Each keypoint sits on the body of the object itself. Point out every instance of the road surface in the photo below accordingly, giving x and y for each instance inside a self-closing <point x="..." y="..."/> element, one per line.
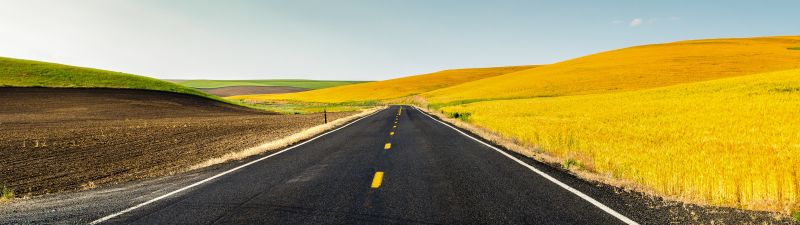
<point x="393" y="167"/>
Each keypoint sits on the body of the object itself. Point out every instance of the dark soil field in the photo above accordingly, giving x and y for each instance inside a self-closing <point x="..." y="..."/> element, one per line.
<point x="250" y="90"/>
<point x="54" y="140"/>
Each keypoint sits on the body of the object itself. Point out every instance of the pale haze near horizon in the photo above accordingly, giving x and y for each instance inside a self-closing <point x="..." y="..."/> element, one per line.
<point x="359" y="40"/>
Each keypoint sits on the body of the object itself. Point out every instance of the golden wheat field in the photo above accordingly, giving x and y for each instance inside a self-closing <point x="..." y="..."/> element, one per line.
<point x="388" y="89"/>
<point x="634" y="68"/>
<point x="733" y="142"/>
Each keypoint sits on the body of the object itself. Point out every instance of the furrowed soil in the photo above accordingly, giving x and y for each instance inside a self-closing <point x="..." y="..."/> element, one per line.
<point x="250" y="90"/>
<point x="54" y="140"/>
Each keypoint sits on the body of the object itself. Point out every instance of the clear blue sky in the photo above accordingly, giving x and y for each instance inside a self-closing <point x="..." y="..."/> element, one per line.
<point x="359" y="40"/>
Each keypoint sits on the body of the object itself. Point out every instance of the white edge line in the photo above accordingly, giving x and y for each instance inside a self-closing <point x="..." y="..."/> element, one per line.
<point x="546" y="176"/>
<point x="223" y="173"/>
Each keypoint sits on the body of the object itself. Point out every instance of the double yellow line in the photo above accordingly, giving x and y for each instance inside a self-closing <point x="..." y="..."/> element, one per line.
<point x="378" y="178"/>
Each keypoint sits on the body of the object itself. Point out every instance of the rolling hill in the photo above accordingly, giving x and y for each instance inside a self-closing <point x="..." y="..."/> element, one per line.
<point x="389" y="89"/>
<point x="634" y="68"/>
<point x="29" y="73"/>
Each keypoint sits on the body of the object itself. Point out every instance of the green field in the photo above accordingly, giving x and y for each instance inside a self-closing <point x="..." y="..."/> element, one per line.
<point x="307" y="107"/>
<point x="29" y="73"/>
<point x="307" y="84"/>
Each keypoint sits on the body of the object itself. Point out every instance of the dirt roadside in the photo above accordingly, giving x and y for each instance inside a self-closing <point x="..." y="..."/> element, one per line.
<point x="54" y="140"/>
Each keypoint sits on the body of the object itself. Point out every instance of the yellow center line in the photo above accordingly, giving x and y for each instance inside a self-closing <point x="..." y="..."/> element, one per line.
<point x="377" y="180"/>
<point x="395" y="126"/>
<point x="387" y="146"/>
<point x="391" y="133"/>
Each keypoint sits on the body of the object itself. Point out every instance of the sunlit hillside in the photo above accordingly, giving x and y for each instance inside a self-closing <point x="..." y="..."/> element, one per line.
<point x="733" y="141"/>
<point x="29" y="73"/>
<point x="393" y="88"/>
<point x="635" y="68"/>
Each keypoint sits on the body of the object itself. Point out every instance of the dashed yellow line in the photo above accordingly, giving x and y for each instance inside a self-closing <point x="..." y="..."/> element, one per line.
<point x="377" y="180"/>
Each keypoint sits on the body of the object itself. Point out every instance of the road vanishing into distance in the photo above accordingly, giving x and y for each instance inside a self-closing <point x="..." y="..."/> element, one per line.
<point x="397" y="166"/>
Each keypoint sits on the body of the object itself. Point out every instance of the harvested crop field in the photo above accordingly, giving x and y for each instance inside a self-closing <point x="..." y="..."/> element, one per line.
<point x="66" y="139"/>
<point x="250" y="90"/>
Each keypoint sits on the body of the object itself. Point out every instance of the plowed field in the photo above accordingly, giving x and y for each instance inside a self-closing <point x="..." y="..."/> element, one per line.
<point x="66" y="139"/>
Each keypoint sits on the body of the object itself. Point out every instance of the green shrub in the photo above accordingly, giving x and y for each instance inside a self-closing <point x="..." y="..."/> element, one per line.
<point x="463" y="116"/>
<point x="569" y="163"/>
<point x="6" y="193"/>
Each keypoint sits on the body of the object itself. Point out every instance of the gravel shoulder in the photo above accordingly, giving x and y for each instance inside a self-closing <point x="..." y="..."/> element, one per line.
<point x="82" y="207"/>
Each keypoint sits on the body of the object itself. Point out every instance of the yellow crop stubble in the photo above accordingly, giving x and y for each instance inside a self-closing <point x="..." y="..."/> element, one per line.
<point x="733" y="142"/>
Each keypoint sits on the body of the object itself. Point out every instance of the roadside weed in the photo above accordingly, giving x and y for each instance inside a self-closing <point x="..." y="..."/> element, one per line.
<point x="6" y="193"/>
<point x="569" y="163"/>
<point x="463" y="116"/>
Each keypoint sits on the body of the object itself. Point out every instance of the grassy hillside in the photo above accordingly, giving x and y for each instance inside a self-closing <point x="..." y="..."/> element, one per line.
<point x="393" y="88"/>
<point x="29" y="73"/>
<point x="733" y="141"/>
<point x="307" y="84"/>
<point x="635" y="68"/>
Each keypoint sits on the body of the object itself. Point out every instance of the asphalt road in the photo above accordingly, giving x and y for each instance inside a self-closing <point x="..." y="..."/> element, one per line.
<point x="431" y="174"/>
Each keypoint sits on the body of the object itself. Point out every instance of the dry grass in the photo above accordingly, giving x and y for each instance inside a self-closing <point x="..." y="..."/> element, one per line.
<point x="731" y="142"/>
<point x="634" y="68"/>
<point x="283" y="142"/>
<point x="530" y="151"/>
<point x="388" y="89"/>
<point x="88" y="185"/>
